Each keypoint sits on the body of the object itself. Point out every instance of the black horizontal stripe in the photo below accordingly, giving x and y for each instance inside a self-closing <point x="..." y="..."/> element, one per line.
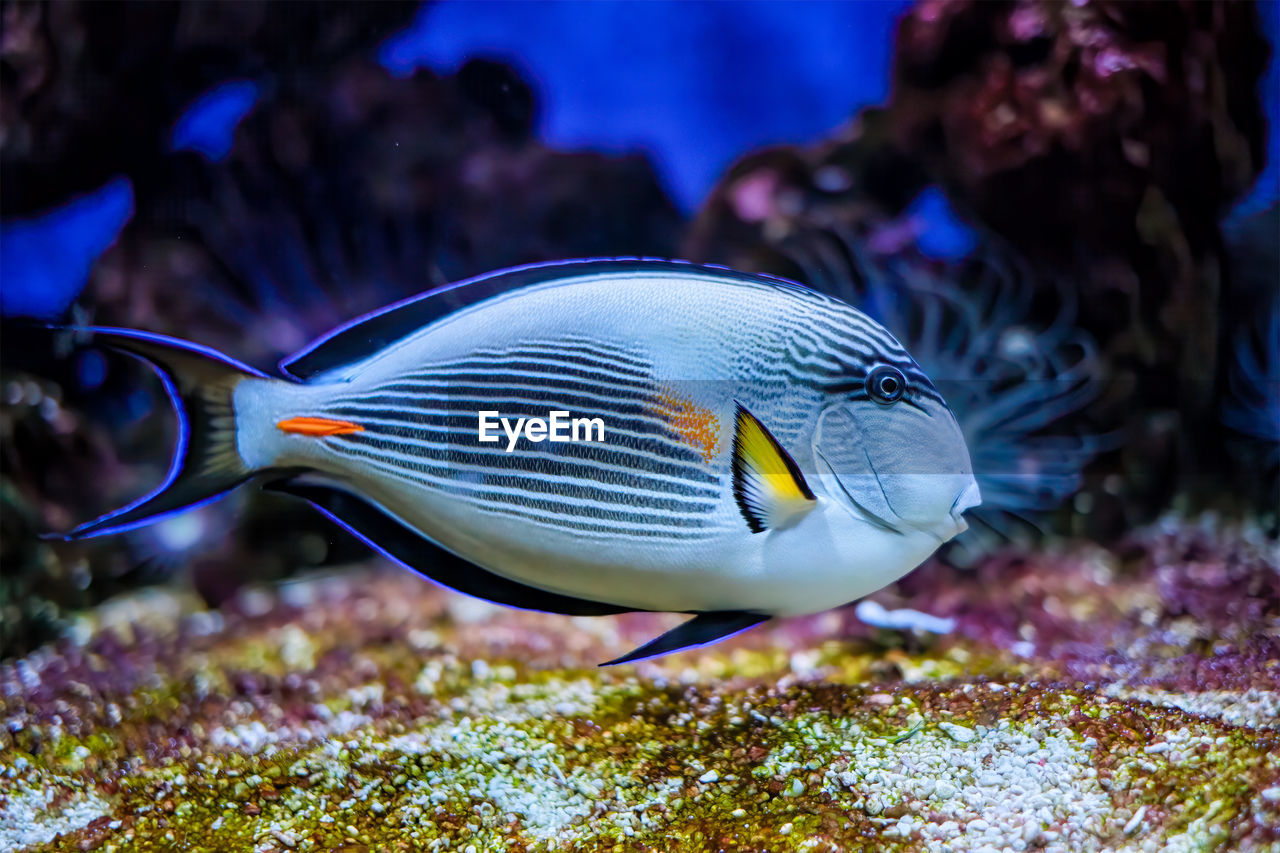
<point x="532" y="370"/>
<point x="637" y="391"/>
<point x="572" y="356"/>
<point x="587" y="346"/>
<point x="856" y="390"/>
<point x="421" y="403"/>
<point x="537" y="463"/>
<point x="688" y="518"/>
<point x="411" y="414"/>
<point x="436" y="436"/>
<point x="841" y="319"/>
<point x="541" y="482"/>
<point x="612" y="531"/>
<point x="426" y="395"/>
<point x="836" y="348"/>
<point x="844" y="351"/>
<point x="584" y="461"/>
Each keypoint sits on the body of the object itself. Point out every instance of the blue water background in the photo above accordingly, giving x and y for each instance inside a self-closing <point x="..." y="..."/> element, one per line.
<point x="695" y="85"/>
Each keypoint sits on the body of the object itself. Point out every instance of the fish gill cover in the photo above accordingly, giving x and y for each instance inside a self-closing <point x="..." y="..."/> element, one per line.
<point x="1131" y="354"/>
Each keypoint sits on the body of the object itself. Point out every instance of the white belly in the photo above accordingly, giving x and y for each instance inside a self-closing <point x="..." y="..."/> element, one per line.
<point x="828" y="558"/>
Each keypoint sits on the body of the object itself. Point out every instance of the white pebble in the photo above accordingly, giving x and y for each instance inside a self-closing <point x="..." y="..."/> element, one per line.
<point x="958" y="733"/>
<point x="1136" y="821"/>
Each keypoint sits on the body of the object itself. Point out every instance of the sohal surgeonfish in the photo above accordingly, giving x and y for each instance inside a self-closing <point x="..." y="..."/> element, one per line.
<point x="593" y="437"/>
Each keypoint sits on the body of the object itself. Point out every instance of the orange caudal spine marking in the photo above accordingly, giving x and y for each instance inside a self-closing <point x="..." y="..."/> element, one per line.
<point x="699" y="427"/>
<point x="318" y="426"/>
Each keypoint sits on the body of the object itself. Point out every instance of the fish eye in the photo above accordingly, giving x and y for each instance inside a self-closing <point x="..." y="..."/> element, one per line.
<point x="886" y="384"/>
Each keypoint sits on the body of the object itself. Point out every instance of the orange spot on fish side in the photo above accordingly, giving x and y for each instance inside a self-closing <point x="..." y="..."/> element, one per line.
<point x="699" y="427"/>
<point x="318" y="426"/>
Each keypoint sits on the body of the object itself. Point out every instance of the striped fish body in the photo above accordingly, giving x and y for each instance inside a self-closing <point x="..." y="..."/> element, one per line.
<point x="671" y="509"/>
<point x="646" y="518"/>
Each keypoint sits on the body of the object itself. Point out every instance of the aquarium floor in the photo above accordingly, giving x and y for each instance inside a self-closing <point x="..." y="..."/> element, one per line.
<point x="1087" y="700"/>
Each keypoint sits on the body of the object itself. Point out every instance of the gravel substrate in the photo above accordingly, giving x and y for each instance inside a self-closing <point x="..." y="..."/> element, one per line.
<point x="369" y="710"/>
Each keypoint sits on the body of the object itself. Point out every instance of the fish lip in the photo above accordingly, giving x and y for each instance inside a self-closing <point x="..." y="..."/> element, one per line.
<point x="874" y="519"/>
<point x="969" y="497"/>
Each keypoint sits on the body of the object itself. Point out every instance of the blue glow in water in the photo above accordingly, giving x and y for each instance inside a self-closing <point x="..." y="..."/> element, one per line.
<point x="45" y="262"/>
<point x="941" y="234"/>
<point x="138" y="404"/>
<point x="91" y="369"/>
<point x="1266" y="190"/>
<point x="694" y="84"/>
<point x="208" y="126"/>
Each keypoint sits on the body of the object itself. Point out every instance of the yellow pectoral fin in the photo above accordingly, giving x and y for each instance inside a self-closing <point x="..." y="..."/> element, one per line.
<point x="767" y="483"/>
<point x="318" y="427"/>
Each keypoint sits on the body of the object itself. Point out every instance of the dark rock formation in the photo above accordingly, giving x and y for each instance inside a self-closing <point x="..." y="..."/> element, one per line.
<point x="90" y="90"/>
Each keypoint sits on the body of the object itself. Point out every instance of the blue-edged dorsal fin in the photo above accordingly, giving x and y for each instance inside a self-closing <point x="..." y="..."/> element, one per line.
<point x="364" y="336"/>
<point x="767" y="483"/>
<point x="698" y="631"/>
<point x="411" y="549"/>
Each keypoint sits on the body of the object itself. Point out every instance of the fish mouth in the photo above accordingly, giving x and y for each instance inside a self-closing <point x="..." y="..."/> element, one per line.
<point x="966" y="500"/>
<point x="869" y="516"/>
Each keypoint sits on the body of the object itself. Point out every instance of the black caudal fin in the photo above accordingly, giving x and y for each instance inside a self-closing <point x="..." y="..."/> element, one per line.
<point x="700" y="630"/>
<point x="206" y="464"/>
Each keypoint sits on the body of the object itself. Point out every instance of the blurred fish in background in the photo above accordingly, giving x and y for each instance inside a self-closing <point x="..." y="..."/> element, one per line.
<point x="1031" y="199"/>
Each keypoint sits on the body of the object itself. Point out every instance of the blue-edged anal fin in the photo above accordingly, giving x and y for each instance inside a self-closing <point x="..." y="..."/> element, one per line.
<point x="767" y="483"/>
<point x="404" y="545"/>
<point x="698" y="631"/>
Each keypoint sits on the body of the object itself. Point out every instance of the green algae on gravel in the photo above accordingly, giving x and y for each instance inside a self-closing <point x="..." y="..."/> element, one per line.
<point x="581" y="763"/>
<point x="374" y="712"/>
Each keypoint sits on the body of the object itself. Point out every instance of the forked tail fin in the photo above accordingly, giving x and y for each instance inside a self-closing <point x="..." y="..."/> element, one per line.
<point x="206" y="465"/>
